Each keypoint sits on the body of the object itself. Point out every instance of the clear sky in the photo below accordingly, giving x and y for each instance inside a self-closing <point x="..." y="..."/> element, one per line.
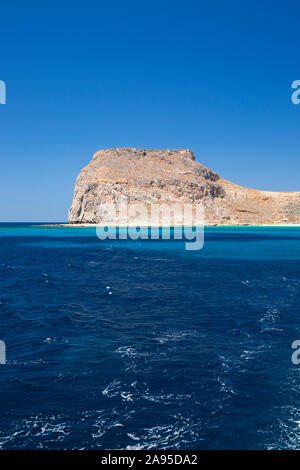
<point x="213" y="76"/>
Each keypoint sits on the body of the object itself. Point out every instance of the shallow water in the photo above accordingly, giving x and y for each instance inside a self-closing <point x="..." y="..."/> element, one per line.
<point x="142" y="344"/>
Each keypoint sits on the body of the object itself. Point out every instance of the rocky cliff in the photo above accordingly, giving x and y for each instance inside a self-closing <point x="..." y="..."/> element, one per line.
<point x="150" y="176"/>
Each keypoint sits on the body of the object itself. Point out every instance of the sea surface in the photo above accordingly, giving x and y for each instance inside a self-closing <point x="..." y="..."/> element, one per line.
<point x="123" y="344"/>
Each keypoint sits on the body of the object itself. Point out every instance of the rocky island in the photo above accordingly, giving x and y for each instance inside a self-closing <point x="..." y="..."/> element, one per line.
<point x="174" y="176"/>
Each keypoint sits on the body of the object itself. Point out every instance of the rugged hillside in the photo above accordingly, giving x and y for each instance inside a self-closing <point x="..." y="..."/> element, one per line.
<point x="173" y="175"/>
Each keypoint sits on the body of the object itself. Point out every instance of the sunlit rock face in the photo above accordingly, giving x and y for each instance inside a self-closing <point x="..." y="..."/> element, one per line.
<point x="174" y="176"/>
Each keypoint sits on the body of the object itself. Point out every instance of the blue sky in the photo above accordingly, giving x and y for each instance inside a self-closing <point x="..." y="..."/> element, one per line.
<point x="214" y="77"/>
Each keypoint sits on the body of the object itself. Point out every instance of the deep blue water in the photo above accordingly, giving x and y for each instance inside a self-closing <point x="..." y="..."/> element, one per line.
<point x="141" y="344"/>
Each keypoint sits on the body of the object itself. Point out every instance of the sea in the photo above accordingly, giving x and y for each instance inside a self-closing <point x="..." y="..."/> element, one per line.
<point x="142" y="344"/>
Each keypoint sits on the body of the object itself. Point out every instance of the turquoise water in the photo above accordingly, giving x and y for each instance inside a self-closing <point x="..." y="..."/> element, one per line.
<point x="142" y="344"/>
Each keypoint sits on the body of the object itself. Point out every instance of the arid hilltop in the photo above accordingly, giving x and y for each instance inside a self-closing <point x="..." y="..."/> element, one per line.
<point x="174" y="176"/>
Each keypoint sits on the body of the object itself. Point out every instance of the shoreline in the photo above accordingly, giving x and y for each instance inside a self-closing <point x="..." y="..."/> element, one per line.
<point x="86" y="225"/>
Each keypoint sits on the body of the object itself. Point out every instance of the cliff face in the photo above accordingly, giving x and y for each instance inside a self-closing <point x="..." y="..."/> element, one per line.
<point x="150" y="176"/>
